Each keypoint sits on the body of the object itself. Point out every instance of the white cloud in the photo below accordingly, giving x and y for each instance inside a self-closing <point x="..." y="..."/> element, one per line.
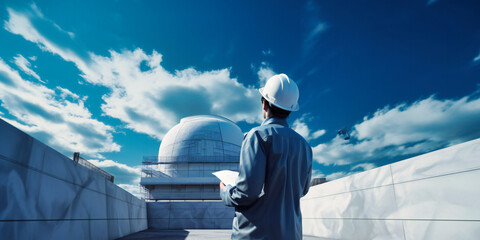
<point x="36" y="10"/>
<point x="300" y="126"/>
<point x="267" y="52"/>
<point x="70" y="34"/>
<point x="314" y="27"/>
<point x="152" y="101"/>
<point x="63" y="124"/>
<point x="337" y="175"/>
<point x="477" y="58"/>
<point x="363" y="167"/>
<point x="317" y="174"/>
<point x="106" y="164"/>
<point x="20" y="24"/>
<point x="353" y="170"/>
<point x="406" y="129"/>
<point x="318" y="133"/>
<point x="340" y="174"/>
<point x="264" y="73"/>
<point x="64" y="93"/>
<point x="313" y="35"/>
<point x="24" y="65"/>
<point x="318" y="28"/>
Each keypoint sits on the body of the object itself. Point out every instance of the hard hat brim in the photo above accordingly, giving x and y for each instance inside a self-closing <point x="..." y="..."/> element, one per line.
<point x="272" y="101"/>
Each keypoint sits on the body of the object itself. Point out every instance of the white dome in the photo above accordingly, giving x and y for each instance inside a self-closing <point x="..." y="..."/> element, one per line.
<point x="202" y="138"/>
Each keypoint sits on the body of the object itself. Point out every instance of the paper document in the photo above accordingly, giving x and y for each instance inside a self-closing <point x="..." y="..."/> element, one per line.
<point x="227" y="177"/>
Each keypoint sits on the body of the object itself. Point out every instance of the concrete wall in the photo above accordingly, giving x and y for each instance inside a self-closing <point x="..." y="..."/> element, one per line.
<point x="432" y="196"/>
<point x="185" y="192"/>
<point x="189" y="215"/>
<point x="45" y="195"/>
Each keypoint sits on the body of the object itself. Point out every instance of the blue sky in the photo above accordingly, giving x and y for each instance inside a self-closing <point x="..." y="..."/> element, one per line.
<point x="110" y="78"/>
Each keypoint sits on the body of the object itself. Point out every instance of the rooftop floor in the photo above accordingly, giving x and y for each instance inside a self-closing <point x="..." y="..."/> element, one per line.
<point x="188" y="234"/>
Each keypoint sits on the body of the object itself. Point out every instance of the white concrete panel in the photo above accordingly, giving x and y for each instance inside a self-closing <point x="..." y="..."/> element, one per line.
<point x="36" y="154"/>
<point x="354" y="229"/>
<point x="89" y="204"/>
<point x="28" y="154"/>
<point x="329" y="188"/>
<point x="377" y="177"/>
<point x="442" y="230"/>
<point x="454" y="159"/>
<point x="374" y="203"/>
<point x="56" y="198"/>
<point x="223" y="223"/>
<point x="138" y="225"/>
<point x="118" y="228"/>
<point x="98" y="229"/>
<point x="45" y="195"/>
<point x="18" y="191"/>
<point x="448" y="197"/>
<point x="115" y="192"/>
<point x="64" y="168"/>
<point x="192" y="223"/>
<point x="116" y="209"/>
<point x="158" y="223"/>
<point x="432" y="196"/>
<point x="39" y="230"/>
<point x="79" y="229"/>
<point x="16" y="146"/>
<point x="189" y="215"/>
<point x="96" y="183"/>
<point x="33" y="195"/>
<point x="224" y="213"/>
<point x="138" y="211"/>
<point x="369" y="179"/>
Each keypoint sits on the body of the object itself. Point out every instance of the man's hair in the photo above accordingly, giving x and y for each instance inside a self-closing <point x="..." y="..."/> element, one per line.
<point x="276" y="111"/>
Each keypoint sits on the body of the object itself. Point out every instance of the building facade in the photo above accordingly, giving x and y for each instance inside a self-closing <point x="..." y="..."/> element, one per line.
<point x="189" y="153"/>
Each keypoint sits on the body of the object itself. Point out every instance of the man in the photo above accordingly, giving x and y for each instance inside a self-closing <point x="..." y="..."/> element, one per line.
<point x="274" y="172"/>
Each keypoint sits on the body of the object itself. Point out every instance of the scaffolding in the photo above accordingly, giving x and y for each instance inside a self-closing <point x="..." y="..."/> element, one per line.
<point x="184" y="177"/>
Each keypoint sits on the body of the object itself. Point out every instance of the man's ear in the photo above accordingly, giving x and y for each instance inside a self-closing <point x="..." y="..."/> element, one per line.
<point x="265" y="106"/>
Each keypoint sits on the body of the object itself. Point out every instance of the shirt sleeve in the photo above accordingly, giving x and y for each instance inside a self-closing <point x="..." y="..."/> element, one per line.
<point x="251" y="176"/>
<point x="309" y="172"/>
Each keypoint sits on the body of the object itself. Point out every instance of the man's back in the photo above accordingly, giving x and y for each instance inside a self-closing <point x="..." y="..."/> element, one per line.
<point x="275" y="170"/>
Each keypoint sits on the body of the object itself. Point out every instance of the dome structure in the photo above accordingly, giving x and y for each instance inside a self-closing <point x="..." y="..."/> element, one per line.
<point x="204" y="138"/>
<point x="189" y="153"/>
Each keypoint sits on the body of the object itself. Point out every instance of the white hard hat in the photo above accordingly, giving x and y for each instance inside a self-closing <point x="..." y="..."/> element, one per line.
<point x="281" y="92"/>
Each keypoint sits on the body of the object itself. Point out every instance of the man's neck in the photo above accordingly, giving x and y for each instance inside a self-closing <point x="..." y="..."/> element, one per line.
<point x="274" y="120"/>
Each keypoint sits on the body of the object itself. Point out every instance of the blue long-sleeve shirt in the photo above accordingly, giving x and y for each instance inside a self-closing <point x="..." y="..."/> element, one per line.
<point x="274" y="173"/>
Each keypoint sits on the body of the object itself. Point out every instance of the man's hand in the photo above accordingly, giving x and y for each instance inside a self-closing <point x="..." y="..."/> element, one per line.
<point x="222" y="185"/>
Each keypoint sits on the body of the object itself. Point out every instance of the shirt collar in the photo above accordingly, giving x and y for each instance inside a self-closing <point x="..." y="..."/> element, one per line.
<point x="279" y="121"/>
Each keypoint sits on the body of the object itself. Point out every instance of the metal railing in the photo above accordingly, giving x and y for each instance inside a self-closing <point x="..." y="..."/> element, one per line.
<point x="91" y="166"/>
<point x="168" y="167"/>
<point x="189" y="159"/>
<point x="317" y="181"/>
